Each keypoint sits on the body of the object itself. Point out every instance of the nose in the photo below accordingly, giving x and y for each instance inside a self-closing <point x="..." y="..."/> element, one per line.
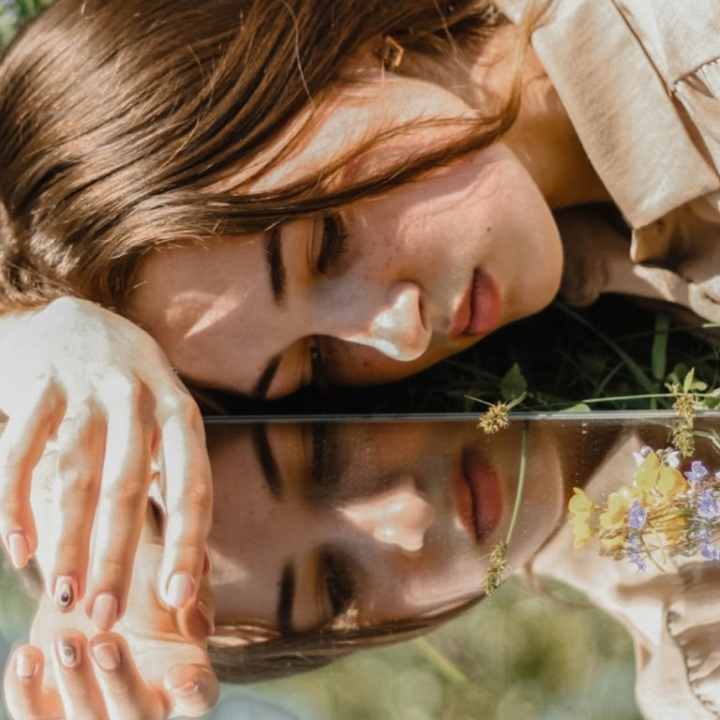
<point x="396" y="329"/>
<point x="399" y="517"/>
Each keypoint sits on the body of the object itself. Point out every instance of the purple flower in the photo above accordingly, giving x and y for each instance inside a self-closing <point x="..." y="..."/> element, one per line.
<point x="697" y="473"/>
<point x="635" y="553"/>
<point x="674" y="459"/>
<point x="708" y="508"/>
<point x="637" y="515"/>
<point x="709" y="551"/>
<point x="707" y="548"/>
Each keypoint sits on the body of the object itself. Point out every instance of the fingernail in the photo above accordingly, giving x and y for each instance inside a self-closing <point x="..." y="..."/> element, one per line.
<point x="183" y="680"/>
<point x="107" y="655"/>
<point x="180" y="590"/>
<point x="104" y="612"/>
<point x="69" y="653"/>
<point x="25" y="667"/>
<point x="208" y="616"/>
<point x="65" y="593"/>
<point x="19" y="549"/>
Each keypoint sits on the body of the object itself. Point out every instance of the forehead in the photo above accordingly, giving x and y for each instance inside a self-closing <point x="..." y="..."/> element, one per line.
<point x="373" y="110"/>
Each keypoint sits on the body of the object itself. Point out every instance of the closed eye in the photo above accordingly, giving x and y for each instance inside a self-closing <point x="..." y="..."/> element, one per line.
<point x="341" y="582"/>
<point x="333" y="243"/>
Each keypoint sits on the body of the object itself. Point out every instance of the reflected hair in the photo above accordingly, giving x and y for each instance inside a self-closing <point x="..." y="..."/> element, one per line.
<point x="124" y="125"/>
<point x="241" y="654"/>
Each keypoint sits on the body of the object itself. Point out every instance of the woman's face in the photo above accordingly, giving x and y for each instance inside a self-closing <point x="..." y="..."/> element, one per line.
<point x="381" y="290"/>
<point x="411" y="512"/>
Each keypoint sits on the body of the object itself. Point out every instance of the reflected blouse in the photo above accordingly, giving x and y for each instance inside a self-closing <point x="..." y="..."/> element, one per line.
<point x="640" y="80"/>
<point x="672" y="617"/>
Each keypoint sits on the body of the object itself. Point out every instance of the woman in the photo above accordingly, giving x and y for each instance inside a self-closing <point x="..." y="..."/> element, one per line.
<point x="377" y="542"/>
<point x="163" y="159"/>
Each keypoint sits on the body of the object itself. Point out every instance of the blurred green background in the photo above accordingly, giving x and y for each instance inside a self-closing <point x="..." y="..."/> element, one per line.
<point x="522" y="654"/>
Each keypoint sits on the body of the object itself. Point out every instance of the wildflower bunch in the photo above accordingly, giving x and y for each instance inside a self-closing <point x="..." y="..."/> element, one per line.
<point x="664" y="512"/>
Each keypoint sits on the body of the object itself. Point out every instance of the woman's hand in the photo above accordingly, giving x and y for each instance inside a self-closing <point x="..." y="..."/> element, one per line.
<point x="102" y="390"/>
<point x="99" y="679"/>
<point x="153" y="665"/>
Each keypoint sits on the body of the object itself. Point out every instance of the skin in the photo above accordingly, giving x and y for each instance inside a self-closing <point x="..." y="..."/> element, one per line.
<point x="160" y="667"/>
<point x="388" y="306"/>
<point x="389" y="477"/>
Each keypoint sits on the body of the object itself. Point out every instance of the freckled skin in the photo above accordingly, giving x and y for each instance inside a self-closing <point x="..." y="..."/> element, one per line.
<point x="386" y="307"/>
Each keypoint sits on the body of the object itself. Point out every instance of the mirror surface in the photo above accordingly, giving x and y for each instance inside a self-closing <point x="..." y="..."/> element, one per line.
<point x="425" y="568"/>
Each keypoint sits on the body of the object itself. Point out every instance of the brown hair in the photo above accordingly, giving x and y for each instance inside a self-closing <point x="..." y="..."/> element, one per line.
<point x="119" y="119"/>
<point x="239" y="661"/>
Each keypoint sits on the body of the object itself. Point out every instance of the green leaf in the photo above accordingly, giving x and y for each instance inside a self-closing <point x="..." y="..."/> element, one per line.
<point x="579" y="408"/>
<point x="689" y="381"/>
<point x="513" y="385"/>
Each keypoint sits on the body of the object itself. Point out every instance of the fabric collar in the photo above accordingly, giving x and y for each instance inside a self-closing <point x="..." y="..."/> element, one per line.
<point x="619" y="105"/>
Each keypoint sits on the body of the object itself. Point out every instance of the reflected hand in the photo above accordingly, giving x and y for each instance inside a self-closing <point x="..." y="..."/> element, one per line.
<point x="155" y="665"/>
<point x="103" y="390"/>
<point x="99" y="679"/>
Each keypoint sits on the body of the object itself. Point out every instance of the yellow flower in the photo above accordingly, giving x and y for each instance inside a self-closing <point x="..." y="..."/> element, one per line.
<point x="647" y="474"/>
<point x="580" y="503"/>
<point x="671" y="483"/>
<point x="581" y="530"/>
<point x="615" y="515"/>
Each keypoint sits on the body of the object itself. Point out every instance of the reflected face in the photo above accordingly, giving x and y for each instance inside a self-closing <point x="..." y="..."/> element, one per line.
<point x="383" y="521"/>
<point x="380" y="290"/>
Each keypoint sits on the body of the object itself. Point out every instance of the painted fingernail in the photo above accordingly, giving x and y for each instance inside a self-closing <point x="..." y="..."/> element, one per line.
<point x="65" y="593"/>
<point x="107" y="655"/>
<point x="25" y="666"/>
<point x="104" y="612"/>
<point x="69" y="653"/>
<point x="19" y="549"/>
<point x="180" y="590"/>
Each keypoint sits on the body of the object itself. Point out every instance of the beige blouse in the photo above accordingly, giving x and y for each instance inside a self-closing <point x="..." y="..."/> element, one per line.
<point x="640" y="80"/>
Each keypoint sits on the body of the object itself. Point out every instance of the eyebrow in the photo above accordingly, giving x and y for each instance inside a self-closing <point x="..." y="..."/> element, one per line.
<point x="266" y="377"/>
<point x="266" y="458"/>
<point x="276" y="266"/>
<point x="285" y="600"/>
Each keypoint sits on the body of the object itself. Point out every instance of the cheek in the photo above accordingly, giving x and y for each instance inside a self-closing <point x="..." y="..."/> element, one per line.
<point x="359" y="365"/>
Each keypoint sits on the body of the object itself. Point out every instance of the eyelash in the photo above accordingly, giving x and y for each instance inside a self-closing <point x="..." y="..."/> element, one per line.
<point x="340" y="581"/>
<point x="334" y="242"/>
<point x="333" y="245"/>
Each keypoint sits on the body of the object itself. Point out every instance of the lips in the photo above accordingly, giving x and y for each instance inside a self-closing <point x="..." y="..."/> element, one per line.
<point x="480" y="309"/>
<point x="478" y="498"/>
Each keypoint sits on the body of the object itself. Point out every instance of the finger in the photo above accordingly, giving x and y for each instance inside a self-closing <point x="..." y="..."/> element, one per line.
<point x="81" y="447"/>
<point x="78" y="688"/>
<point x="25" y="695"/>
<point x="197" y="621"/>
<point x="122" y="503"/>
<point x="21" y="447"/>
<point x="126" y="695"/>
<point x="188" y="503"/>
<point x="193" y="689"/>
